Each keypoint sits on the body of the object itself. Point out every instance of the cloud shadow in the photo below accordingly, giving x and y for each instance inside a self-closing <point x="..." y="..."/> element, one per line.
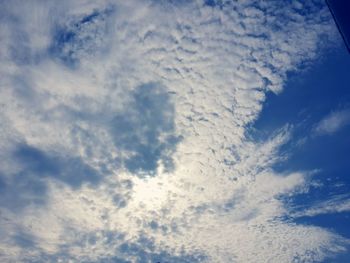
<point x="29" y="184"/>
<point x="145" y="131"/>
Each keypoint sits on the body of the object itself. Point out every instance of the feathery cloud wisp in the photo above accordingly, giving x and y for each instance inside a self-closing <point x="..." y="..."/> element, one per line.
<point x="333" y="122"/>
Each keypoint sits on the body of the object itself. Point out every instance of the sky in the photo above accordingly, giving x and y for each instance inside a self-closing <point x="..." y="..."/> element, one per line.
<point x="173" y="131"/>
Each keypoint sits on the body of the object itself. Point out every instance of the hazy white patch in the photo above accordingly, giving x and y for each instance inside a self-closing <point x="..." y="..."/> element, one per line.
<point x="333" y="122"/>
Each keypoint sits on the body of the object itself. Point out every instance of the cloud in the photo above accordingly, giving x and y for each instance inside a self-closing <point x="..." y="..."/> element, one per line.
<point x="337" y="204"/>
<point x="333" y="122"/>
<point x="125" y="131"/>
<point x="80" y="37"/>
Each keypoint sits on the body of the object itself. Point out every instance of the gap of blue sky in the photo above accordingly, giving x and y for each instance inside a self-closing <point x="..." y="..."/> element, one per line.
<point x="308" y="97"/>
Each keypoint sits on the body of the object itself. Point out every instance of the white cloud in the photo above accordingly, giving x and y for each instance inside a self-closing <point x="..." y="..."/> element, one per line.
<point x="336" y="204"/>
<point x="333" y="122"/>
<point x="63" y="94"/>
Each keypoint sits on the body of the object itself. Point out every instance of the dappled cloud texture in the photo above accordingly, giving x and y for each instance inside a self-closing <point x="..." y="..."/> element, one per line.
<point x="125" y="131"/>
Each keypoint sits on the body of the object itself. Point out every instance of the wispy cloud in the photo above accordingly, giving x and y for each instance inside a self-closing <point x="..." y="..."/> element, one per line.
<point x="333" y="122"/>
<point x="337" y="204"/>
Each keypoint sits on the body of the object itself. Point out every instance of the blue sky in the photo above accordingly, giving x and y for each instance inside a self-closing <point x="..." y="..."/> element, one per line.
<point x="321" y="89"/>
<point x="173" y="131"/>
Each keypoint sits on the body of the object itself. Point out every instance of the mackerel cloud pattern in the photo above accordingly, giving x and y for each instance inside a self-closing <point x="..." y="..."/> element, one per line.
<point x="125" y="131"/>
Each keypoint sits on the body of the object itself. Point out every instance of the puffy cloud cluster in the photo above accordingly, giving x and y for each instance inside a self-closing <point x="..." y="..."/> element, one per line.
<point x="125" y="137"/>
